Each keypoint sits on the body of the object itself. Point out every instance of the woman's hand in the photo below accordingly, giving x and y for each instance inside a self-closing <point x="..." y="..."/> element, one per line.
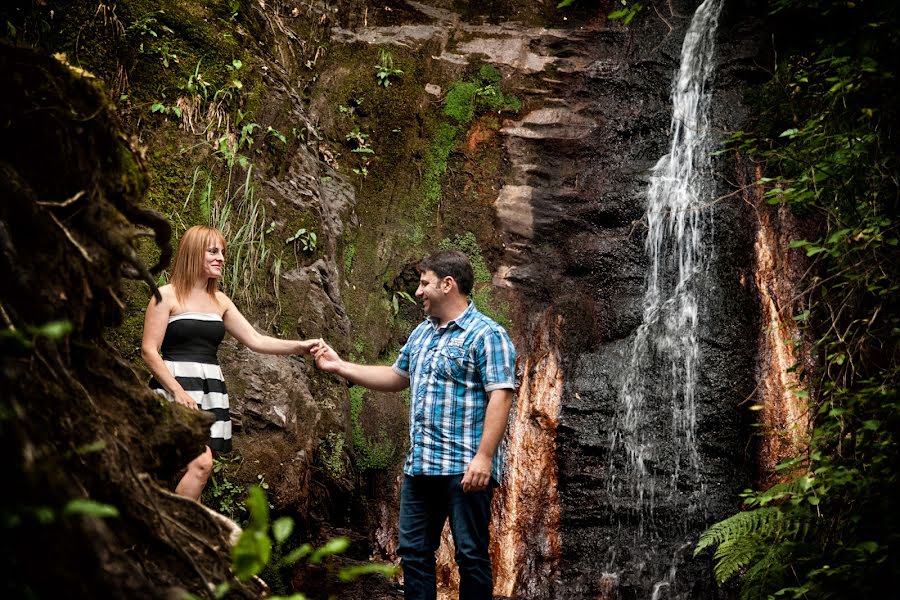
<point x="184" y="399"/>
<point x="307" y="346"/>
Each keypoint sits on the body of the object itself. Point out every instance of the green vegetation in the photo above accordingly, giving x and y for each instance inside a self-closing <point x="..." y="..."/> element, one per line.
<point x="468" y="245"/>
<point x="330" y="454"/>
<point x="626" y="12"/>
<point x="384" y="70"/>
<point x="466" y="98"/>
<point x="304" y="239"/>
<point x="263" y="544"/>
<point x="369" y="454"/>
<point x="435" y="166"/>
<point x="827" y="132"/>
<point x="349" y="255"/>
<point x="222" y="494"/>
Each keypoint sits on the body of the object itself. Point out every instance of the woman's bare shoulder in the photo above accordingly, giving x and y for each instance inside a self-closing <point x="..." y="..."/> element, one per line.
<point x="223" y="301"/>
<point x="167" y="294"/>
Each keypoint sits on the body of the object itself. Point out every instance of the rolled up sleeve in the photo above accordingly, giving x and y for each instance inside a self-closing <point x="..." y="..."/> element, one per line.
<point x="497" y="361"/>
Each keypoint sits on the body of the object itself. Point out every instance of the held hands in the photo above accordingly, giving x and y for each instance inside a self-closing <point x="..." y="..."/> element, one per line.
<point x="326" y="358"/>
<point x="478" y="474"/>
<point x="307" y="346"/>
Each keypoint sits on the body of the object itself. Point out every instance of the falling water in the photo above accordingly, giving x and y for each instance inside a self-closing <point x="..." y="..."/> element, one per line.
<point x="662" y="457"/>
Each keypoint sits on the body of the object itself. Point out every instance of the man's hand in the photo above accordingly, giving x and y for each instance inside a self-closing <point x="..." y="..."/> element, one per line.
<point x="326" y="358"/>
<point x="478" y="474"/>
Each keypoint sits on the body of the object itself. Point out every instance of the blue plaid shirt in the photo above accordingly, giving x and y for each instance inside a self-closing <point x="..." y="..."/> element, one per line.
<point x="452" y="370"/>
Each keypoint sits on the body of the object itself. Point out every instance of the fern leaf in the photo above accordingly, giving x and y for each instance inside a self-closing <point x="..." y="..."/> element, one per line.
<point x="737" y="526"/>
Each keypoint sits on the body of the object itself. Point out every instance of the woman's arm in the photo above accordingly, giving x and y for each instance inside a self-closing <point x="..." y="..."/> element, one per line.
<point x="156" y="319"/>
<point x="243" y="331"/>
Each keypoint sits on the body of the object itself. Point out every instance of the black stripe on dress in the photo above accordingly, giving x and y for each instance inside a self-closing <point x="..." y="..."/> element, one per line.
<point x="204" y="358"/>
<point x="199" y="384"/>
<point x="219" y="445"/>
<point x="195" y="384"/>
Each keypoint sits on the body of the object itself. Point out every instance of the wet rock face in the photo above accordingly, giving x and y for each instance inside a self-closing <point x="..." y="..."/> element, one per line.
<point x="571" y="211"/>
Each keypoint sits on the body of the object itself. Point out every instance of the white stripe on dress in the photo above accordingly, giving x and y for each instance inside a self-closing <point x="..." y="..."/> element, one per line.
<point x="179" y="368"/>
<point x="198" y="316"/>
<point x="220" y="430"/>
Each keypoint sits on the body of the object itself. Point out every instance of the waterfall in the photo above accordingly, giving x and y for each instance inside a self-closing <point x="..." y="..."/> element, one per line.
<point x="653" y="454"/>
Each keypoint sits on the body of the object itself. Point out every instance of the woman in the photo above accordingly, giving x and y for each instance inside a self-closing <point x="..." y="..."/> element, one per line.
<point x="188" y="325"/>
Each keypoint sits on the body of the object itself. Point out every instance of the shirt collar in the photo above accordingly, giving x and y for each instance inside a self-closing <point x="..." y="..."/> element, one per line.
<point x="462" y="321"/>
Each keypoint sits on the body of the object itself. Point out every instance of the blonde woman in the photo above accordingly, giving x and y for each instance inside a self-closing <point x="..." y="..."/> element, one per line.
<point x="187" y="326"/>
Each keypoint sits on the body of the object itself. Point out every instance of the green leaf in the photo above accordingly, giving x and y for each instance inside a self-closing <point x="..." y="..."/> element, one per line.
<point x="333" y="546"/>
<point x="838" y="236"/>
<point x="296" y="554"/>
<point x="91" y="448"/>
<point x="250" y="554"/>
<point x="55" y="329"/>
<point x="351" y="573"/>
<point x="85" y="506"/>
<point x="282" y="528"/>
<point x="565" y="3"/>
<point x="259" y="508"/>
<point x="789" y="133"/>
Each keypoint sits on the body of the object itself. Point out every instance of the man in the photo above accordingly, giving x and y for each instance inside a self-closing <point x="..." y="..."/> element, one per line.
<point x="459" y="365"/>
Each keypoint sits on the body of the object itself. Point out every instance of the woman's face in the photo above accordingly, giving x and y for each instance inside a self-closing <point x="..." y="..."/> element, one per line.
<point x="214" y="259"/>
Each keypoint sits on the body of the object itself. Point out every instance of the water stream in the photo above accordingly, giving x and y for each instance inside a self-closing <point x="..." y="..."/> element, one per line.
<point x="659" y="445"/>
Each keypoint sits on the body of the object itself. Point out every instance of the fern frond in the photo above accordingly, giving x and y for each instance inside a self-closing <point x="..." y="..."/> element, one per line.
<point x="753" y="539"/>
<point x="734" y="554"/>
<point x="770" y="567"/>
<point x="738" y="526"/>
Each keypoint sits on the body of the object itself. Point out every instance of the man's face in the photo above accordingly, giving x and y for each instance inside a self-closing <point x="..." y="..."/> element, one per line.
<point x="430" y="292"/>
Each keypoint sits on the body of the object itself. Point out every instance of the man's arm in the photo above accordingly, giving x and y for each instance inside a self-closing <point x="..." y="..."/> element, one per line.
<point x="375" y="377"/>
<point x="478" y="473"/>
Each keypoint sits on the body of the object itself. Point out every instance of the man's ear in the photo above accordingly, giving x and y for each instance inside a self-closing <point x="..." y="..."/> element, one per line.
<point x="448" y="281"/>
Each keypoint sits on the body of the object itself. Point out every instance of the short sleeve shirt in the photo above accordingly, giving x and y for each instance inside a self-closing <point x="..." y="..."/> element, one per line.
<point x="452" y="370"/>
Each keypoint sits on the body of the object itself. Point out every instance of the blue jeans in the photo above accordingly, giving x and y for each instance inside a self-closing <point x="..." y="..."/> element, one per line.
<point x="425" y="504"/>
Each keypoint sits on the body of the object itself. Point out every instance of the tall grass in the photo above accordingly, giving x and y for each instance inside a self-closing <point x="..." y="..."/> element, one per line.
<point x="241" y="217"/>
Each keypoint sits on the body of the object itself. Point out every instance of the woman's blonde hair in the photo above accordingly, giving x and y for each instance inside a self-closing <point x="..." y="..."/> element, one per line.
<point x="190" y="260"/>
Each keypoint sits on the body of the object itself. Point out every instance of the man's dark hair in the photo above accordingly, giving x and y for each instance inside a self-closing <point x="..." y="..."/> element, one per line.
<point x="452" y="263"/>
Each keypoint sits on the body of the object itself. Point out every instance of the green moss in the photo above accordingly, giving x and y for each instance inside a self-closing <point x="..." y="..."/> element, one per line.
<point x="369" y="454"/>
<point x="489" y="74"/>
<point x="349" y="255"/>
<point x="466" y="98"/>
<point x="459" y="104"/>
<point x="484" y="300"/>
<point x="468" y="245"/>
<point x="435" y="166"/>
<point x="171" y="183"/>
<point x="330" y="455"/>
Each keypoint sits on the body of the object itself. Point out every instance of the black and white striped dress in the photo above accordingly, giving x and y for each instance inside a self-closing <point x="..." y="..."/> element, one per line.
<point x="189" y="350"/>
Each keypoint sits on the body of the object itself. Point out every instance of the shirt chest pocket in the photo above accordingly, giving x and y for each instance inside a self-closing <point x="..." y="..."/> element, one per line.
<point x="453" y="363"/>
